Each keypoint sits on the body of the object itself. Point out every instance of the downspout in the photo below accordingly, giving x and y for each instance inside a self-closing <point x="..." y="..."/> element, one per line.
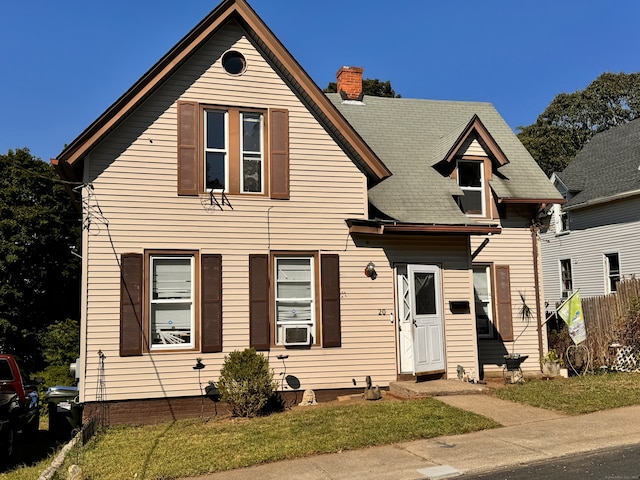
<point x="534" y="242"/>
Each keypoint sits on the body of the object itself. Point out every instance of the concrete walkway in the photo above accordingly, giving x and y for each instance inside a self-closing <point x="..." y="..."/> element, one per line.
<point x="528" y="435"/>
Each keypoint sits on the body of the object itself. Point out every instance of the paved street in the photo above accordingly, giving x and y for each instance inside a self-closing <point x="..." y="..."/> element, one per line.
<point x="621" y="463"/>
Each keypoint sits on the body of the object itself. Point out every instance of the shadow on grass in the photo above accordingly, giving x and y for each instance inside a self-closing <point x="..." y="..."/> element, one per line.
<point x="29" y="450"/>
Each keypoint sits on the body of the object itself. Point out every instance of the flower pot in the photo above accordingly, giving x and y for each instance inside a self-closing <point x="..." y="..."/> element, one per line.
<point x="551" y="369"/>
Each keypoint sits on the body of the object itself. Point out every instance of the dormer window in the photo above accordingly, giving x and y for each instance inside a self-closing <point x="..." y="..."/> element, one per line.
<point x="471" y="182"/>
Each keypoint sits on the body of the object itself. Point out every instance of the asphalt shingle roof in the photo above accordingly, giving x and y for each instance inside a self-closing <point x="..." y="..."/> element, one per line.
<point x="606" y="166"/>
<point x="410" y="136"/>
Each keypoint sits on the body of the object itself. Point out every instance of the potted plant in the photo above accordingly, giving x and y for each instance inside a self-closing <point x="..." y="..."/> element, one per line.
<point x="551" y="363"/>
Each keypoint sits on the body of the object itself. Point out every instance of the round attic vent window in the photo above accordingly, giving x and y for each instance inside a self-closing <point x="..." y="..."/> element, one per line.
<point x="234" y="63"/>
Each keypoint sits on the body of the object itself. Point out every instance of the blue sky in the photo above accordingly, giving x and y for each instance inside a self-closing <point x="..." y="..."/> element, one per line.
<point x="64" y="62"/>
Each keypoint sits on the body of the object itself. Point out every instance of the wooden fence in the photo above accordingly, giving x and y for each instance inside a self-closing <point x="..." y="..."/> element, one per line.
<point x="603" y="316"/>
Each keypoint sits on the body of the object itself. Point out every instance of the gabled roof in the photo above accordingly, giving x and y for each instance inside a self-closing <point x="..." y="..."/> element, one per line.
<point x="411" y="136"/>
<point x="459" y="136"/>
<point x="606" y="168"/>
<point x="71" y="157"/>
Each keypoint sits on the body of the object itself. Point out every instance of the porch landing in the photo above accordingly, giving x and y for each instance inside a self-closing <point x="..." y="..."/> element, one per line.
<point x="434" y="388"/>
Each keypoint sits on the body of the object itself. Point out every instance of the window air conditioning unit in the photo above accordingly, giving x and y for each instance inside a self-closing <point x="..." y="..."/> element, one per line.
<point x="296" y="335"/>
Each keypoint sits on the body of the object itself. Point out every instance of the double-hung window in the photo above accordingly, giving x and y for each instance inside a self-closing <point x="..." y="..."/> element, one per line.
<point x="612" y="272"/>
<point x="171" y="301"/>
<point x="234" y="151"/>
<point x="252" y="153"/>
<point x="482" y="292"/>
<point x="294" y="300"/>
<point x="216" y="150"/>
<point x="471" y="182"/>
<point x="566" y="278"/>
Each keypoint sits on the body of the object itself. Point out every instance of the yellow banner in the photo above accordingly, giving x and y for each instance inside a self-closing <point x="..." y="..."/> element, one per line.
<point x="571" y="312"/>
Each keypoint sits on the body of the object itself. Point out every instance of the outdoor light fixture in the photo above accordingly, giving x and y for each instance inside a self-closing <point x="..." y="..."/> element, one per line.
<point x="370" y="271"/>
<point x="199" y="365"/>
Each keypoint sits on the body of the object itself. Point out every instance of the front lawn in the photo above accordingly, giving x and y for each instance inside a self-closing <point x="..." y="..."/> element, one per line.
<point x="576" y="395"/>
<point x="194" y="447"/>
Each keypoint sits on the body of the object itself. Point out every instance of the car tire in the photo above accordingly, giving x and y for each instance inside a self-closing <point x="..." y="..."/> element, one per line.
<point x="34" y="425"/>
<point x="6" y="446"/>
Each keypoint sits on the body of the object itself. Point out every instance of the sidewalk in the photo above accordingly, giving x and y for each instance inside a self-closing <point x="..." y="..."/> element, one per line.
<point x="529" y="434"/>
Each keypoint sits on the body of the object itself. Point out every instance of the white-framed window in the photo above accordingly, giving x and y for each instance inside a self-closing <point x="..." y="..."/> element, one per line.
<point x="171" y="301"/>
<point x="294" y="300"/>
<point x="216" y="150"/>
<point x="566" y="278"/>
<point x="471" y="182"/>
<point x="612" y="272"/>
<point x="482" y="293"/>
<point x="252" y="152"/>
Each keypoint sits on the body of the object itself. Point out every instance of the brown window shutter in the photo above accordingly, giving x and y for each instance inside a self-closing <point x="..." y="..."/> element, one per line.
<point x="131" y="285"/>
<point x="259" y="327"/>
<point x="211" y="314"/>
<point x="188" y="148"/>
<point x="330" y="285"/>
<point x="279" y="144"/>
<point x="504" y="325"/>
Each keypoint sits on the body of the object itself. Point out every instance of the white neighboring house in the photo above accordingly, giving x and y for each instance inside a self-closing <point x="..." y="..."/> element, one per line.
<point x="593" y="239"/>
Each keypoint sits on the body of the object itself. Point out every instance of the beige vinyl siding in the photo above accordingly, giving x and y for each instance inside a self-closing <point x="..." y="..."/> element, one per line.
<point x="513" y="247"/>
<point x="133" y="172"/>
<point x="450" y="254"/>
<point x="473" y="148"/>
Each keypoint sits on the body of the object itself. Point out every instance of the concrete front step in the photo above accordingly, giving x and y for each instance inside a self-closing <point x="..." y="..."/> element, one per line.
<point x="434" y="388"/>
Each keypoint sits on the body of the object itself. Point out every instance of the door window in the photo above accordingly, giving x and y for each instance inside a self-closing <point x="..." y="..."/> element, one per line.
<point x="425" y="293"/>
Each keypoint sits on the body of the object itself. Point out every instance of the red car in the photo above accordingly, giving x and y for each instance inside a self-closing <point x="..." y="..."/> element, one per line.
<point x="19" y="406"/>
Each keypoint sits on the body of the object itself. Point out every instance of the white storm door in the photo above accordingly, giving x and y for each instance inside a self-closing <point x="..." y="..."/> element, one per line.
<point x="426" y="316"/>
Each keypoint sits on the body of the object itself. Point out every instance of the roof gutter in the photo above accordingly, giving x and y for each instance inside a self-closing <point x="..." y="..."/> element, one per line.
<point x="514" y="200"/>
<point x="600" y="200"/>
<point x="375" y="227"/>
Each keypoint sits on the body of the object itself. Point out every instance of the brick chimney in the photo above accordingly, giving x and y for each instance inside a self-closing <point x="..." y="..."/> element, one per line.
<point x="350" y="83"/>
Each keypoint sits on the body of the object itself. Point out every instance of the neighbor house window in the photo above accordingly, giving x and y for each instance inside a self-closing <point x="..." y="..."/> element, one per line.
<point x="171" y="301"/>
<point x="471" y="182"/>
<point x="561" y="219"/>
<point x="612" y="272"/>
<point x="566" y="278"/>
<point x="294" y="300"/>
<point x="483" y="303"/>
<point x="564" y="221"/>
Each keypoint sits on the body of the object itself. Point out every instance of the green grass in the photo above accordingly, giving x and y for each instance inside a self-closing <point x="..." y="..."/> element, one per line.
<point x="576" y="395"/>
<point x="194" y="447"/>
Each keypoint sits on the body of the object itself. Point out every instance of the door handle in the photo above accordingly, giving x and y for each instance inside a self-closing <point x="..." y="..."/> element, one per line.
<point x="415" y="324"/>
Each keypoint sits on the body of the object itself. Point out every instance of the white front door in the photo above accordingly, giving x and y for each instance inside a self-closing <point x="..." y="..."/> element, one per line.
<point x="420" y="323"/>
